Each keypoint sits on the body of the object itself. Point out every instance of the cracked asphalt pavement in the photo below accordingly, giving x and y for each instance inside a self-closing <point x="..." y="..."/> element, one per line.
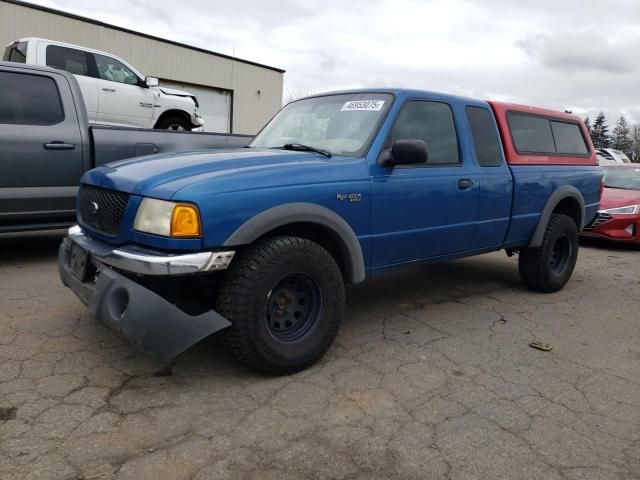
<point x="431" y="376"/>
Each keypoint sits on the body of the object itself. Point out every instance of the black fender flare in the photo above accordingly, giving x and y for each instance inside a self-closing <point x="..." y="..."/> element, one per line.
<point x="289" y="213"/>
<point x="565" y="191"/>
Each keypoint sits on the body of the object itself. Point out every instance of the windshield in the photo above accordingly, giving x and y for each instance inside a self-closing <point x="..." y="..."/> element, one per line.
<point x="622" y="155"/>
<point x="625" y="178"/>
<point x="339" y="124"/>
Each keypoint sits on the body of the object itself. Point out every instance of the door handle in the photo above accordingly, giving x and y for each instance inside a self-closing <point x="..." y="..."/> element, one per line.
<point x="465" y="184"/>
<point x="58" y="145"/>
<point x="108" y="89"/>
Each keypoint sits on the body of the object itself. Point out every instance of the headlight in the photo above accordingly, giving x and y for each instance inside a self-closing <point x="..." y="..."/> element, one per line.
<point x="628" y="210"/>
<point x="168" y="219"/>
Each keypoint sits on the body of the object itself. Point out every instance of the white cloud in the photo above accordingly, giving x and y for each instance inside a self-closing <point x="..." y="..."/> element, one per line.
<point x="575" y="54"/>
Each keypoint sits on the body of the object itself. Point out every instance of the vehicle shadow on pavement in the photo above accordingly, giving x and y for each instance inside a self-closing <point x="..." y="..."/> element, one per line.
<point x="442" y="281"/>
<point x="416" y="287"/>
<point x="29" y="247"/>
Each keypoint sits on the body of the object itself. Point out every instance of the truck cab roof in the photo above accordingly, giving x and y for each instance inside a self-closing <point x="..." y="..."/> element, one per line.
<point x="542" y="136"/>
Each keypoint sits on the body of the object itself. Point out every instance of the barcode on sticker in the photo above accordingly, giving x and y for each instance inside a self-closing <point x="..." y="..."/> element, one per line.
<point x="367" y="105"/>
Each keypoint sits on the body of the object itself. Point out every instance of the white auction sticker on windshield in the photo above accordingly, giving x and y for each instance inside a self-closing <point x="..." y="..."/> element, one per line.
<point x="363" y="105"/>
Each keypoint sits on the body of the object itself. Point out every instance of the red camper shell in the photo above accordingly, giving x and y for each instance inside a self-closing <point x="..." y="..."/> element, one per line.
<point x="537" y="136"/>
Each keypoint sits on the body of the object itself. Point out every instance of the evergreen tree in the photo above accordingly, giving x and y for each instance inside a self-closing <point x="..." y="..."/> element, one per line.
<point x="600" y="132"/>
<point x="621" y="137"/>
<point x="587" y="123"/>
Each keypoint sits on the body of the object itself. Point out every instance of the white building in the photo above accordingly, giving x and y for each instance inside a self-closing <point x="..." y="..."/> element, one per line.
<point x="235" y="95"/>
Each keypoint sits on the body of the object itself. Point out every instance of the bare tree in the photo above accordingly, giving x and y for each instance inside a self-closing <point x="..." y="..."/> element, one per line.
<point x="635" y="144"/>
<point x="293" y="94"/>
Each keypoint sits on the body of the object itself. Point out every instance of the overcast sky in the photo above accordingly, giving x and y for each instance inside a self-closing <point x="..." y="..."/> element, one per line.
<point x="582" y="55"/>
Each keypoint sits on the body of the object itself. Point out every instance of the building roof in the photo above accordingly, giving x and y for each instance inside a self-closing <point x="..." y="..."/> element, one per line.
<point x="133" y="32"/>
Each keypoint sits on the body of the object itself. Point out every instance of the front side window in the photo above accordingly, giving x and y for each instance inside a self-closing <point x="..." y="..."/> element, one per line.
<point x="340" y="124"/>
<point x="16" y="52"/>
<point x="114" y="70"/>
<point x="431" y="122"/>
<point x="29" y="100"/>
<point x="68" y="59"/>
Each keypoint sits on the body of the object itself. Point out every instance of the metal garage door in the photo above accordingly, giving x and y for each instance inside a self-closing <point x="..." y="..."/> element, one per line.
<point x="215" y="105"/>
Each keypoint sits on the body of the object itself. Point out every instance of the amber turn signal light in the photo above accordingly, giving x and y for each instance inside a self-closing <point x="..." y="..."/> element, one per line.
<point x="185" y="221"/>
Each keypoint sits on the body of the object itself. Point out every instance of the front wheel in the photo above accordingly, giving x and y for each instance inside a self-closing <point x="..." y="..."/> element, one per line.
<point x="177" y="124"/>
<point x="284" y="298"/>
<point x="547" y="268"/>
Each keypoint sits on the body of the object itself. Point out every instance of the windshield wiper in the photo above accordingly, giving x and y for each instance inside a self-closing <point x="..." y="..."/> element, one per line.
<point x="299" y="147"/>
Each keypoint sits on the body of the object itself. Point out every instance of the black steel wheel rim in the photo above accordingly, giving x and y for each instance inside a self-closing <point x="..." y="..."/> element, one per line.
<point x="293" y="307"/>
<point x="560" y="255"/>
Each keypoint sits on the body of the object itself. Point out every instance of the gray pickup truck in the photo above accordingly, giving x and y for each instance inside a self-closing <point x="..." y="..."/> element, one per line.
<point x="46" y="144"/>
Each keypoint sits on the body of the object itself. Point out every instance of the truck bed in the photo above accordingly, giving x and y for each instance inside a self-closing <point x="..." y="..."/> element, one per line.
<point x="115" y="143"/>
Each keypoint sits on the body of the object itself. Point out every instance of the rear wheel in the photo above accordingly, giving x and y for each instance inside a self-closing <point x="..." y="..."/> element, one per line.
<point x="284" y="298"/>
<point x="547" y="268"/>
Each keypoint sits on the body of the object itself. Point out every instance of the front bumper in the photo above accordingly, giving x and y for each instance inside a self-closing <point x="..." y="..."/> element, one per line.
<point x="615" y="227"/>
<point x="147" y="320"/>
<point x="149" y="262"/>
<point x="198" y="123"/>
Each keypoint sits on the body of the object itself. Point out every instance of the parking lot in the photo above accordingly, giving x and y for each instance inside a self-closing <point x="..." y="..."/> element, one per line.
<point x="432" y="376"/>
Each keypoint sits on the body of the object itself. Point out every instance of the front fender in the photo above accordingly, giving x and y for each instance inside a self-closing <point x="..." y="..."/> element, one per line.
<point x="290" y="213"/>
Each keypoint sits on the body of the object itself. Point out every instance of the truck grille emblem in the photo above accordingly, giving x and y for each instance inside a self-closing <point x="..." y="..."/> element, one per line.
<point x="93" y="208"/>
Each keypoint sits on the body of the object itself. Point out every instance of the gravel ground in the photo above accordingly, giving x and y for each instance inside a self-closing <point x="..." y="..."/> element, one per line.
<point x="431" y="376"/>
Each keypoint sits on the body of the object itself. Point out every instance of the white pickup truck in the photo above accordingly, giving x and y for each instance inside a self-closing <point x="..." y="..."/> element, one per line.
<point x="114" y="92"/>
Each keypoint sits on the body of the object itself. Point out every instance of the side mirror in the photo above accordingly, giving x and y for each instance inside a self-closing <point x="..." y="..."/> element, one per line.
<point x="152" y="82"/>
<point x="406" y="152"/>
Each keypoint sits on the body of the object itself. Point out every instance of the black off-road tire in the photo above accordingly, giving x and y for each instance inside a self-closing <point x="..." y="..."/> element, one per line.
<point x="256" y="291"/>
<point x="547" y="268"/>
<point x="174" y="123"/>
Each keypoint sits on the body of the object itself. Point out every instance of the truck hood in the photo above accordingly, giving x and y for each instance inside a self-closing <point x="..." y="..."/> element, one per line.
<point x="615" y="197"/>
<point x="173" y="91"/>
<point x="163" y="176"/>
<point x="179" y="93"/>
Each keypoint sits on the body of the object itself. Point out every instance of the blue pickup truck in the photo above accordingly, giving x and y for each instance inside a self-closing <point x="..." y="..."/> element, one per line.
<point x="337" y="188"/>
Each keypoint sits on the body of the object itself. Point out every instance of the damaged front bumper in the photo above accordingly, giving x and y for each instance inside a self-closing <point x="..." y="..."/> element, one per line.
<point x="198" y="123"/>
<point x="149" y="321"/>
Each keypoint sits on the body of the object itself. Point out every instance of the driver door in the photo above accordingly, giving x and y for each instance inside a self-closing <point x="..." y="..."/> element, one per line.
<point x="124" y="99"/>
<point x="428" y="210"/>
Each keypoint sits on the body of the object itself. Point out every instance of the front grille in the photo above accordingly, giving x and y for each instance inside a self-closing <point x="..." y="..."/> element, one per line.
<point x="599" y="220"/>
<point x="102" y="209"/>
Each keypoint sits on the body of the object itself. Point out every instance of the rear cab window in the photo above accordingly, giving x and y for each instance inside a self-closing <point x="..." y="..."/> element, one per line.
<point x="485" y="137"/>
<point x="27" y="99"/>
<point x="16" y="52"/>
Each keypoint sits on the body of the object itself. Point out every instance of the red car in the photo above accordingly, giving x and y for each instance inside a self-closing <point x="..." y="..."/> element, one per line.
<point x="619" y="215"/>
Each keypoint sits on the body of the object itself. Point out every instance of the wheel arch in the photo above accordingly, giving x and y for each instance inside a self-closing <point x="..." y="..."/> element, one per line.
<point x="566" y="200"/>
<point x="314" y="222"/>
<point x="174" y="112"/>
